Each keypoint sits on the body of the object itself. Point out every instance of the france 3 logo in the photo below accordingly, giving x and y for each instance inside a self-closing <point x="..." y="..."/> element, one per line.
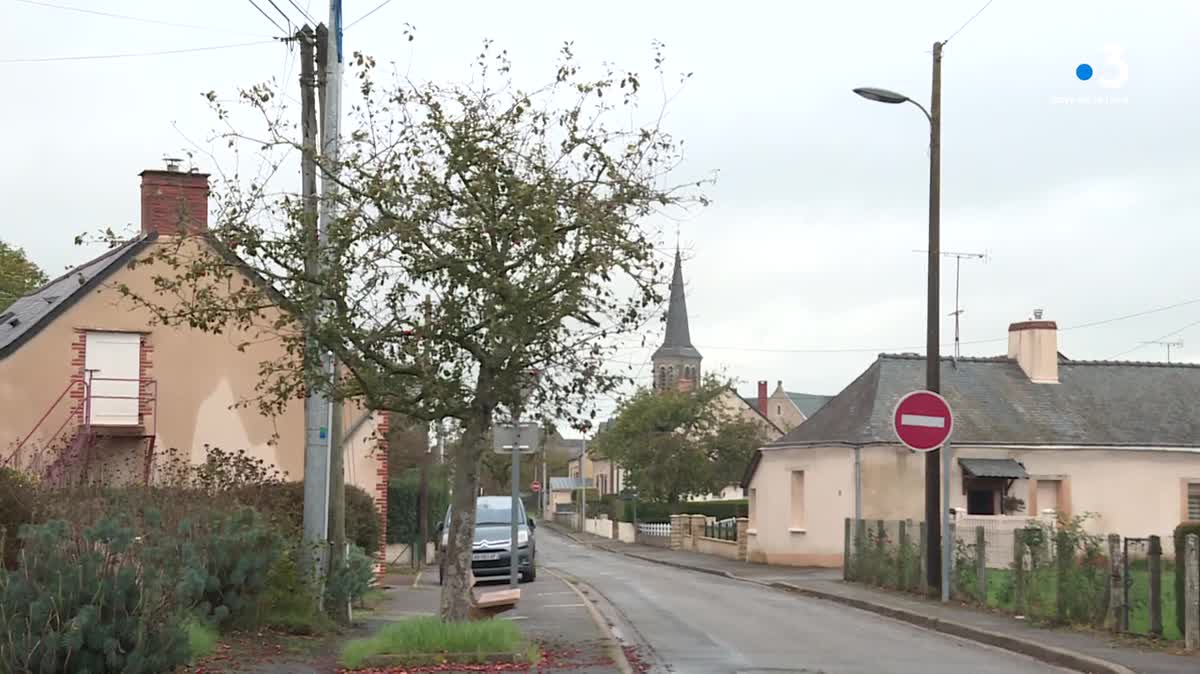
<point x="1111" y="74"/>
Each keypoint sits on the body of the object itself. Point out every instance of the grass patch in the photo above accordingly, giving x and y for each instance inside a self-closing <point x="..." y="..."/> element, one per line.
<point x="370" y="600"/>
<point x="428" y="640"/>
<point x="301" y="620"/>
<point x="202" y="638"/>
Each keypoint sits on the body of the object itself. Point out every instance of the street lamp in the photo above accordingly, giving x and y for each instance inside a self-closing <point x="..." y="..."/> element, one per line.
<point x="933" y="508"/>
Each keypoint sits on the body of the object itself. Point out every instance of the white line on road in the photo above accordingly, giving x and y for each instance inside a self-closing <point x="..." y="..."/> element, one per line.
<point x="547" y="594"/>
<point x="922" y="420"/>
<point x="564" y="606"/>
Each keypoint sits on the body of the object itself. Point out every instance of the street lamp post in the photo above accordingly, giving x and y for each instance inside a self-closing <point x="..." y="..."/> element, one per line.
<point x="933" y="507"/>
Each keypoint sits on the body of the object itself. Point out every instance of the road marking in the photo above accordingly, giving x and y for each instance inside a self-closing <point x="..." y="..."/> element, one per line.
<point x="547" y="594"/>
<point x="418" y="577"/>
<point x="515" y="617"/>
<point x="565" y="606"/>
<point x="923" y="420"/>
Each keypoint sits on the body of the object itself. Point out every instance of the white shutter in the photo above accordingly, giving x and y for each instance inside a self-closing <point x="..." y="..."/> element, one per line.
<point x="113" y="359"/>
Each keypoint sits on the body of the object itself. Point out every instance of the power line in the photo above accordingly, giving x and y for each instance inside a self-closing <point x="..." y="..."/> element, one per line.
<point x="284" y="15"/>
<point x="303" y="13"/>
<point x="137" y="18"/>
<point x="377" y="8"/>
<point x="973" y="16"/>
<point x="1157" y="340"/>
<point x="95" y="57"/>
<point x="267" y="16"/>
<point x="1091" y="324"/>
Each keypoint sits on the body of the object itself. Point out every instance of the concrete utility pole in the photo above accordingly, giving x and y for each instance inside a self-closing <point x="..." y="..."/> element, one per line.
<point x="933" y="472"/>
<point x="316" y="466"/>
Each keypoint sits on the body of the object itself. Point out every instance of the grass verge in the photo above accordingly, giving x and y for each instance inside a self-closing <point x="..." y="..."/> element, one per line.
<point x="428" y="640"/>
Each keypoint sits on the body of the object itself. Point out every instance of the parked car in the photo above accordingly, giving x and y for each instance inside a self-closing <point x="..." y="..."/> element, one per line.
<point x="491" y="551"/>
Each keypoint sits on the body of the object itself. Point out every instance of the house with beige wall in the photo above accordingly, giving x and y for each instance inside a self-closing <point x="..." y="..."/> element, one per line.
<point x="93" y="389"/>
<point x="1035" y="435"/>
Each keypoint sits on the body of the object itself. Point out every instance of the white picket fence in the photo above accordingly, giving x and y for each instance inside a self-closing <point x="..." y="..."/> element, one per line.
<point x="655" y="529"/>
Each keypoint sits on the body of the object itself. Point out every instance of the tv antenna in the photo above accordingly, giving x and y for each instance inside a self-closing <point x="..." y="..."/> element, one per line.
<point x="957" y="313"/>
<point x="1177" y="344"/>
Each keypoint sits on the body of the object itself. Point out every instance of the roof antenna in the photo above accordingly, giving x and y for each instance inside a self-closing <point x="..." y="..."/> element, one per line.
<point x="958" y="311"/>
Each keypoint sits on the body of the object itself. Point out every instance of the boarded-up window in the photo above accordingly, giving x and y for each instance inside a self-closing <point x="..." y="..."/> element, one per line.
<point x="1047" y="497"/>
<point x="1193" y="501"/>
<point x="113" y="365"/>
<point x="797" y="504"/>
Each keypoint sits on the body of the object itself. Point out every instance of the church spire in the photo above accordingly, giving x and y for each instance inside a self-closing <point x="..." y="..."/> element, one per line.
<point x="676" y="359"/>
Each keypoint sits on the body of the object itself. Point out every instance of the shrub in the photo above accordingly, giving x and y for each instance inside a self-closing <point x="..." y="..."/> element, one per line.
<point x="350" y="581"/>
<point x="1181" y="533"/>
<point x="283" y="504"/>
<point x="288" y="601"/>
<point x="661" y="512"/>
<point x="18" y="502"/>
<point x="229" y="555"/>
<point x="96" y="601"/>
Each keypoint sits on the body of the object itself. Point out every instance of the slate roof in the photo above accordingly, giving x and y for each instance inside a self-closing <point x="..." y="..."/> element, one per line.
<point x="29" y="314"/>
<point x="677" y="342"/>
<point x="1002" y="468"/>
<point x="808" y="403"/>
<point x="1095" y="403"/>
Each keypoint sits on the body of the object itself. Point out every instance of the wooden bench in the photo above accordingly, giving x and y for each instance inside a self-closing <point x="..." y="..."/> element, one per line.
<point x="491" y="603"/>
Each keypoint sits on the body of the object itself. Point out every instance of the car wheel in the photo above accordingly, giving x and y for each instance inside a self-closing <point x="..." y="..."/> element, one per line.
<point x="530" y="575"/>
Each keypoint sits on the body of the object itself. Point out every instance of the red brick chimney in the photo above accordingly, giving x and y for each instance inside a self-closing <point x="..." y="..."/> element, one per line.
<point x="174" y="201"/>
<point x="762" y="398"/>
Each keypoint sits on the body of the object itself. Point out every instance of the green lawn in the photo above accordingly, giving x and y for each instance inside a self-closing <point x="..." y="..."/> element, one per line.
<point x="428" y="640"/>
<point x="1087" y="596"/>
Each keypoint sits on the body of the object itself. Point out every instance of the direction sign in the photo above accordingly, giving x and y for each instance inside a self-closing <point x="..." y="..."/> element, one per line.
<point x="535" y="486"/>
<point x="923" y="421"/>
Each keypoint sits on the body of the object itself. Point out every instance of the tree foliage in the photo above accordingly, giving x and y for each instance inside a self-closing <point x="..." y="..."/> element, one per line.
<point x="18" y="275"/>
<point x="674" y="444"/>
<point x="481" y="231"/>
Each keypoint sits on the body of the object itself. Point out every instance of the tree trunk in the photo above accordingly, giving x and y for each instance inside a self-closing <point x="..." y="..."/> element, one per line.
<point x="456" y="588"/>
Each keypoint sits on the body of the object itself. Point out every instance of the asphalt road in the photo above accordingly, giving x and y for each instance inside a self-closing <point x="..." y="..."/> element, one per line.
<point x="683" y="621"/>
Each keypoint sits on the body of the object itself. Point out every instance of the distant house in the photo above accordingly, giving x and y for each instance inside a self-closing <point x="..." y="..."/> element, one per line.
<point x="786" y="409"/>
<point x="92" y="389"/>
<point x="1035" y="435"/>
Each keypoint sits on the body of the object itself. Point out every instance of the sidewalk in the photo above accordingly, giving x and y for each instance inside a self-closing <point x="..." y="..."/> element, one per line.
<point x="1075" y="650"/>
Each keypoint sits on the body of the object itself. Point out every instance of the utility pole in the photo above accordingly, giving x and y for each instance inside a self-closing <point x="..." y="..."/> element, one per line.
<point x="337" y="458"/>
<point x="423" y="486"/>
<point x="316" y="465"/>
<point x="933" y="380"/>
<point x="958" y="258"/>
<point x="1176" y="344"/>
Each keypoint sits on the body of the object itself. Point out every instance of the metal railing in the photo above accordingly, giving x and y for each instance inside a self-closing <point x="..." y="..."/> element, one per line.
<point x="722" y="530"/>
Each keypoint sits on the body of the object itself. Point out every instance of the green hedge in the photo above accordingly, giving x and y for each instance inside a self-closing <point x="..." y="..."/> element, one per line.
<point x="402" y="503"/>
<point x="283" y="503"/>
<point x="18" y="497"/>
<point x="661" y="512"/>
<point x="1181" y="532"/>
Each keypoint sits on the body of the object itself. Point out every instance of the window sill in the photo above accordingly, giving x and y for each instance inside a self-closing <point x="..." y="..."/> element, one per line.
<point x="797" y="530"/>
<point x="752" y="532"/>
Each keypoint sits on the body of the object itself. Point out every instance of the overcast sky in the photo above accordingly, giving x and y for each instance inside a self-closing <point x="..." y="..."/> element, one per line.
<point x="1084" y="196"/>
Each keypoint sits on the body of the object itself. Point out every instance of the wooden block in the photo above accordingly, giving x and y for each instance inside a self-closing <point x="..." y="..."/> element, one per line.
<point x="486" y="605"/>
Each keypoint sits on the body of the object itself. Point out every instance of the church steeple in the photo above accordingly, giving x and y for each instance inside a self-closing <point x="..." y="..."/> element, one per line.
<point x="676" y="362"/>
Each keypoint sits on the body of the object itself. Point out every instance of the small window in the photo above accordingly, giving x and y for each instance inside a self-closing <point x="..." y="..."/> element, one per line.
<point x="797" y="504"/>
<point x="1193" y="501"/>
<point x="779" y="409"/>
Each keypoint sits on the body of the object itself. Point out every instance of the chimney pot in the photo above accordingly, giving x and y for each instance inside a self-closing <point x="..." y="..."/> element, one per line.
<point x="1037" y="314"/>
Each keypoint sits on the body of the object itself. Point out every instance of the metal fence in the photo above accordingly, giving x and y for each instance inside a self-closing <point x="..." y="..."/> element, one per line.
<point x="723" y="530"/>
<point x="1049" y="571"/>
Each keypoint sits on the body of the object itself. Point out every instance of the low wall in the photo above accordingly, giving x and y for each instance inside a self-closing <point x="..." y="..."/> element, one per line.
<point x="657" y="541"/>
<point x="717" y="547"/>
<point x="600" y="527"/>
<point x="626" y="533"/>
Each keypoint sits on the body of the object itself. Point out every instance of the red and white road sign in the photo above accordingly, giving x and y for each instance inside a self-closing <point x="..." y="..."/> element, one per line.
<point x="535" y="486"/>
<point x="923" y="421"/>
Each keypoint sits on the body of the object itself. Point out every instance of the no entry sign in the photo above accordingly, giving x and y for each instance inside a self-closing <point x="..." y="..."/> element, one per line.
<point x="922" y="421"/>
<point x="535" y="486"/>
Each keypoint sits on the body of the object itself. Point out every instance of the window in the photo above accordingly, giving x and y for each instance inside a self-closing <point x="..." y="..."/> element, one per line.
<point x="1047" y="497"/>
<point x="779" y="409"/>
<point x="797" y="503"/>
<point x="1193" y="501"/>
<point x="113" y="362"/>
<point x="602" y="484"/>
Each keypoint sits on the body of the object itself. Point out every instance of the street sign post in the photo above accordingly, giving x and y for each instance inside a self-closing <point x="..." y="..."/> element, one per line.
<point x="535" y="486"/>
<point x="923" y="422"/>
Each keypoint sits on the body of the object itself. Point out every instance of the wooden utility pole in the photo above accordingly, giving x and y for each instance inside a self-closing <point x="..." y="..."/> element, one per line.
<point x="933" y="379"/>
<point x="316" y="466"/>
<point x="423" y="487"/>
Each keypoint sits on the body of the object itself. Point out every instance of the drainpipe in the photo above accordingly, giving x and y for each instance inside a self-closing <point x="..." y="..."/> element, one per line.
<point x="858" y="483"/>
